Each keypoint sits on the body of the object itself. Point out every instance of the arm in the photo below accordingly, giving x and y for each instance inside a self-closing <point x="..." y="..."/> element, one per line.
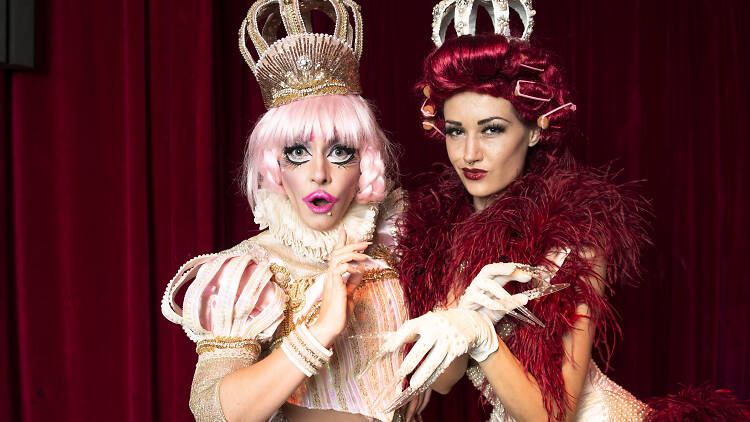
<point x="451" y="376"/>
<point x="254" y="391"/>
<point x="486" y="286"/>
<point x="518" y="390"/>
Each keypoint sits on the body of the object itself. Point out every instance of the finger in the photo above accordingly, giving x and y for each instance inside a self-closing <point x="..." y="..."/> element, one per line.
<point x="519" y="299"/>
<point x="415" y="355"/>
<point x="351" y="247"/>
<point x="493" y="304"/>
<point x="429" y="366"/>
<point x="521" y="276"/>
<point x="439" y="371"/>
<point x="353" y="282"/>
<point x="342" y="239"/>
<point x="403" y="335"/>
<point x="348" y="268"/>
<point x="411" y="409"/>
<point x="347" y="257"/>
<point x="423" y="404"/>
<point x="497" y="269"/>
<point x="495" y="290"/>
<point x="355" y="247"/>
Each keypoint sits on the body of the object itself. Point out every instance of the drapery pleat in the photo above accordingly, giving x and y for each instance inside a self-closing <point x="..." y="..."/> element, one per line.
<point x="121" y="150"/>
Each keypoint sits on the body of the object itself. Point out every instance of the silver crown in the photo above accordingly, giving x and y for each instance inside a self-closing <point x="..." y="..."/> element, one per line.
<point x="464" y="17"/>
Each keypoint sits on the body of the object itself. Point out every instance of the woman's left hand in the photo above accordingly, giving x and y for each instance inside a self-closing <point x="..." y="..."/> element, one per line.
<point x="486" y="293"/>
<point x="442" y="336"/>
<point x="416" y="406"/>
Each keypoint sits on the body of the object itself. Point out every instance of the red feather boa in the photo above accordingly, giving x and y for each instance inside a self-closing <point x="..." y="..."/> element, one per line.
<point x="700" y="404"/>
<point x="577" y="208"/>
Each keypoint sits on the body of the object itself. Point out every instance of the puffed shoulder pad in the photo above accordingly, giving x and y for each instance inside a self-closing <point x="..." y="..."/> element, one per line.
<point x="390" y="211"/>
<point x="231" y="295"/>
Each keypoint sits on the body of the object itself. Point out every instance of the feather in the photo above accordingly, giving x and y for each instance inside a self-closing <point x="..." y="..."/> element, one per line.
<point x="698" y="404"/>
<point x="443" y="244"/>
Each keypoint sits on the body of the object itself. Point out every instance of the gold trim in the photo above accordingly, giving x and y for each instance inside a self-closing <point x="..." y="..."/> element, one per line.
<point x="220" y="343"/>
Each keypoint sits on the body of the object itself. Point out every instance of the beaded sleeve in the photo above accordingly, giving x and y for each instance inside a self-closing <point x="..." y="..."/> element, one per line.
<point x="231" y="306"/>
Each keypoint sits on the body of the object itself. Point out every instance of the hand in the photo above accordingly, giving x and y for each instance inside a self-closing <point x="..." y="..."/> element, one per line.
<point x="486" y="294"/>
<point x="446" y="335"/>
<point x="416" y="406"/>
<point x="340" y="282"/>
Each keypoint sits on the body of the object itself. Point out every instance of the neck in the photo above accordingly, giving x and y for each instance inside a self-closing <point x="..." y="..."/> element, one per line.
<point x="276" y="213"/>
<point x="481" y="203"/>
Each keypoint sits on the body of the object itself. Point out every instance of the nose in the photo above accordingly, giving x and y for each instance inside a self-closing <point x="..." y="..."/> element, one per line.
<point x="320" y="174"/>
<point x="472" y="150"/>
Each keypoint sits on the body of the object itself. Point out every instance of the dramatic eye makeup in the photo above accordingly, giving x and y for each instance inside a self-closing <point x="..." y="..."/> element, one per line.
<point x="296" y="154"/>
<point x="341" y="154"/>
<point x="453" y="129"/>
<point x="493" y="129"/>
<point x="493" y="125"/>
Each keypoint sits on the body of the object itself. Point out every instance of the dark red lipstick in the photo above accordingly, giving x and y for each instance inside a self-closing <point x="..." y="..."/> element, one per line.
<point x="474" y="174"/>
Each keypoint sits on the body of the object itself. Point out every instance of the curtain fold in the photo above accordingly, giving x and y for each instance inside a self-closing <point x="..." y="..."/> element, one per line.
<point x="121" y="152"/>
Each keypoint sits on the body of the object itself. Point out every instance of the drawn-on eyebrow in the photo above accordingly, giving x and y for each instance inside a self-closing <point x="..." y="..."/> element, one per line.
<point x="453" y="123"/>
<point x="489" y="119"/>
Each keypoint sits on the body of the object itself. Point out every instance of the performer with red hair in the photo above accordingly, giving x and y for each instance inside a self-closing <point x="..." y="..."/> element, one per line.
<point x="513" y="218"/>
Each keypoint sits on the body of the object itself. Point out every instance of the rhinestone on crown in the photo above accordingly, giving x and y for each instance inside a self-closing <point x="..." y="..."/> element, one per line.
<point x="303" y="63"/>
<point x="463" y="14"/>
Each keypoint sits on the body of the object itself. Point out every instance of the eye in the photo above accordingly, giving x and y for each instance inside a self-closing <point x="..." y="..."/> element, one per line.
<point x="453" y="131"/>
<point x="297" y="154"/>
<point x="493" y="130"/>
<point x="341" y="154"/>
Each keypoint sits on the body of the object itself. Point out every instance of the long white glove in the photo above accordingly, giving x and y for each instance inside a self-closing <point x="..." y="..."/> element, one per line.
<point x="446" y="335"/>
<point x="486" y="294"/>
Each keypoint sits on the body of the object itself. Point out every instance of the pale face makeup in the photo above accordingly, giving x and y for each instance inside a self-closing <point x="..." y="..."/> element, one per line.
<point x="320" y="178"/>
<point x="486" y="143"/>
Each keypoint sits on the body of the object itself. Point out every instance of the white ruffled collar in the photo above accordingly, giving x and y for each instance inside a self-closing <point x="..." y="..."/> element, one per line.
<point x="275" y="212"/>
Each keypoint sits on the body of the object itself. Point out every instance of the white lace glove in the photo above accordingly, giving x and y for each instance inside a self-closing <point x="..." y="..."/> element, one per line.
<point x="486" y="294"/>
<point x="446" y="335"/>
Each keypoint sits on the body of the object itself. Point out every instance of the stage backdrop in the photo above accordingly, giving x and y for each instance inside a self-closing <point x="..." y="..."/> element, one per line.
<point x="121" y="150"/>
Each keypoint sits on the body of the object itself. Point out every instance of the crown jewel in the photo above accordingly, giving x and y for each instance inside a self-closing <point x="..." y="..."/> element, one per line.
<point x="464" y="17"/>
<point x="302" y="63"/>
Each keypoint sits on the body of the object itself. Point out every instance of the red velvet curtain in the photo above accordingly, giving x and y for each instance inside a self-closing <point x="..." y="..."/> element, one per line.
<point x="120" y="154"/>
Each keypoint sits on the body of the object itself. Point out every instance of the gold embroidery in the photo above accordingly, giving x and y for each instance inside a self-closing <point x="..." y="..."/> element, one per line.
<point x="378" y="274"/>
<point x="220" y="343"/>
<point x="382" y="252"/>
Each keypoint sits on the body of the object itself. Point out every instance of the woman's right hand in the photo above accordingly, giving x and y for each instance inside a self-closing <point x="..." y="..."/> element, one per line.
<point x="341" y="281"/>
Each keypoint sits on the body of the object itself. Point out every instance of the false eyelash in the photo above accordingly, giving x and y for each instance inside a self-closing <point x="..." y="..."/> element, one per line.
<point x="350" y="151"/>
<point x="288" y="150"/>
<point x="498" y="128"/>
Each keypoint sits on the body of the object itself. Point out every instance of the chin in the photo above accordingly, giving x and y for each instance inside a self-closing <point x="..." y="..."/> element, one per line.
<point x="320" y="222"/>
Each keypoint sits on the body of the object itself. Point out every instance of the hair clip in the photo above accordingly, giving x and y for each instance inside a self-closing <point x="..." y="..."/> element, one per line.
<point x="430" y="125"/>
<point x="543" y="120"/>
<point x="531" y="67"/>
<point x="518" y="92"/>
<point x="428" y="110"/>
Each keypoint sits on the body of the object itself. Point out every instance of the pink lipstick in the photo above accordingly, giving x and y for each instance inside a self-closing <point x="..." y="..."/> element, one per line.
<point x="474" y="174"/>
<point x="320" y="201"/>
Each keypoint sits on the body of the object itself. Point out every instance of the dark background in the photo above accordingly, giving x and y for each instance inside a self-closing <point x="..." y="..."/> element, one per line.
<point x="120" y="152"/>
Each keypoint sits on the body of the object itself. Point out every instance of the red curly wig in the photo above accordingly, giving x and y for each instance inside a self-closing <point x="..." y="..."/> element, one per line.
<point x="491" y="64"/>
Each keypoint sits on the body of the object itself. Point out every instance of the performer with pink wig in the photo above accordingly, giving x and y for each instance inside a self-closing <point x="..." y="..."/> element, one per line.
<point x="285" y="321"/>
<point x="509" y="254"/>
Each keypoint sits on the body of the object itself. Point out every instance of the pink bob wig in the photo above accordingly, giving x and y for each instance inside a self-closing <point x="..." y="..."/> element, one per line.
<point x="491" y="64"/>
<point x="348" y="118"/>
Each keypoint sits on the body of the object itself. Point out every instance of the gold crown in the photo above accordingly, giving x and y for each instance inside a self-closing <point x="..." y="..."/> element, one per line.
<point x="303" y="63"/>
<point x="464" y="17"/>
